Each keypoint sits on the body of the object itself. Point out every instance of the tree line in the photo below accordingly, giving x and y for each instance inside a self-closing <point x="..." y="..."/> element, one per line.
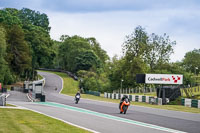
<point x="25" y="46"/>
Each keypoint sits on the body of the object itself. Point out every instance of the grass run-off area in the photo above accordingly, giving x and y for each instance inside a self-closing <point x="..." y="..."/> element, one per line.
<point x="70" y="87"/>
<point x="25" y="121"/>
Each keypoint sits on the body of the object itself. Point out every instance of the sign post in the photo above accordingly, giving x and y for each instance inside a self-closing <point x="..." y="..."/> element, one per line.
<point x="163" y="79"/>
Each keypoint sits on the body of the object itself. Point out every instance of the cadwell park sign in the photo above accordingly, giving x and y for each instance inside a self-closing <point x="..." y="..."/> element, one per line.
<point x="167" y="93"/>
<point x="163" y="79"/>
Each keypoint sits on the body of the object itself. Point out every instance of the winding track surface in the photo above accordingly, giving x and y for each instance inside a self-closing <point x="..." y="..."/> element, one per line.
<point x="181" y="121"/>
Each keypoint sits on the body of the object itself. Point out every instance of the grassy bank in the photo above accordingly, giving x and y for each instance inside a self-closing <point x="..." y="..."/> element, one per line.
<point x="70" y="87"/>
<point x="25" y="121"/>
<point x="195" y="91"/>
<point x="39" y="77"/>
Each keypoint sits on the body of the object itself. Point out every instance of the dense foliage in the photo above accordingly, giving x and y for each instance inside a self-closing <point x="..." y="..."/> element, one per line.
<point x="25" y="44"/>
<point x="84" y="57"/>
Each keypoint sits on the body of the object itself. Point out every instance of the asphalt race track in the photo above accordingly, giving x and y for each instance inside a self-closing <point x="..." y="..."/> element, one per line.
<point x="104" y="116"/>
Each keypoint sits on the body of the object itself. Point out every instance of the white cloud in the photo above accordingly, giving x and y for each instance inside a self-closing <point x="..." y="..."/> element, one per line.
<point x="185" y="44"/>
<point x="110" y="28"/>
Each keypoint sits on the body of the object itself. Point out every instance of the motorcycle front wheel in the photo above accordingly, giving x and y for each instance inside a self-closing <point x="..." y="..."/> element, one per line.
<point x="125" y="109"/>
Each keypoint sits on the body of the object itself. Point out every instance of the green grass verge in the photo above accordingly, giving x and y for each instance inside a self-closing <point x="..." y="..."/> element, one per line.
<point x="40" y="77"/>
<point x="10" y="105"/>
<point x="195" y="91"/>
<point x="25" y="121"/>
<point x="71" y="87"/>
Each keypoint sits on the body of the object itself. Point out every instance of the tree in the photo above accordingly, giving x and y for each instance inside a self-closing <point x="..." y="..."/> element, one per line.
<point x="8" y="17"/>
<point x="3" y="65"/>
<point x="36" y="28"/>
<point x="93" y="81"/>
<point x="98" y="50"/>
<point x="191" y="61"/>
<point x="70" y="49"/>
<point x="115" y="72"/>
<point x="158" y="51"/>
<point x="86" y="60"/>
<point x="165" y="49"/>
<point x="143" y="54"/>
<point x="29" y="17"/>
<point x="135" y="44"/>
<point x="18" y="55"/>
<point x="134" y="49"/>
<point x="41" y="47"/>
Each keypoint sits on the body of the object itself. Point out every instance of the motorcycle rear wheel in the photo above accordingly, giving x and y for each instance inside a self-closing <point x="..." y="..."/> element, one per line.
<point x="76" y="102"/>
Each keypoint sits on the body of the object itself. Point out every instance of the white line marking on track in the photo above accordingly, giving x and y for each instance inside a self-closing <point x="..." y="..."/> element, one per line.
<point x="62" y="83"/>
<point x="116" y="118"/>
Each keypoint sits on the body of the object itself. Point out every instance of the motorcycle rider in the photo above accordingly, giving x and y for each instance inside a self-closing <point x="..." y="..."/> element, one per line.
<point x="123" y="98"/>
<point x="78" y="94"/>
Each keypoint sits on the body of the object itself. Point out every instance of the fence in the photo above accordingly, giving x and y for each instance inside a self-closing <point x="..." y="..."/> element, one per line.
<point x="190" y="102"/>
<point x="135" y="98"/>
<point x="193" y="89"/>
<point x="135" y="90"/>
<point x="95" y="93"/>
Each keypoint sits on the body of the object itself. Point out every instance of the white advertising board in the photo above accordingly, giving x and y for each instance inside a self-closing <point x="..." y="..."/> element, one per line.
<point x="163" y="79"/>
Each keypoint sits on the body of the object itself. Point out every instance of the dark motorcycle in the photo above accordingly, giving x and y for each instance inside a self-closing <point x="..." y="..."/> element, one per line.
<point x="77" y="98"/>
<point x="124" y="106"/>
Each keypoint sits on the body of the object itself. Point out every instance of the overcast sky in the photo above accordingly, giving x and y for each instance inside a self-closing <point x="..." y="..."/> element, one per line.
<point x="109" y="21"/>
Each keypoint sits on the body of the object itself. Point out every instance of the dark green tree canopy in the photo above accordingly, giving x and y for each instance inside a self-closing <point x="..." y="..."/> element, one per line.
<point x="78" y="53"/>
<point x="191" y="61"/>
<point x="30" y="17"/>
<point x="19" y="56"/>
<point x="9" y="17"/>
<point x="98" y="50"/>
<point x="28" y="43"/>
<point x="86" y="60"/>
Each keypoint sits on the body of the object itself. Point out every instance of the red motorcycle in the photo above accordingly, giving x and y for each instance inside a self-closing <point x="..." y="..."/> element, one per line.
<point x="124" y="106"/>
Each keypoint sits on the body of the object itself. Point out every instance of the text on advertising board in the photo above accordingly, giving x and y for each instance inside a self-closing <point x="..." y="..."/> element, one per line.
<point x="163" y="79"/>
